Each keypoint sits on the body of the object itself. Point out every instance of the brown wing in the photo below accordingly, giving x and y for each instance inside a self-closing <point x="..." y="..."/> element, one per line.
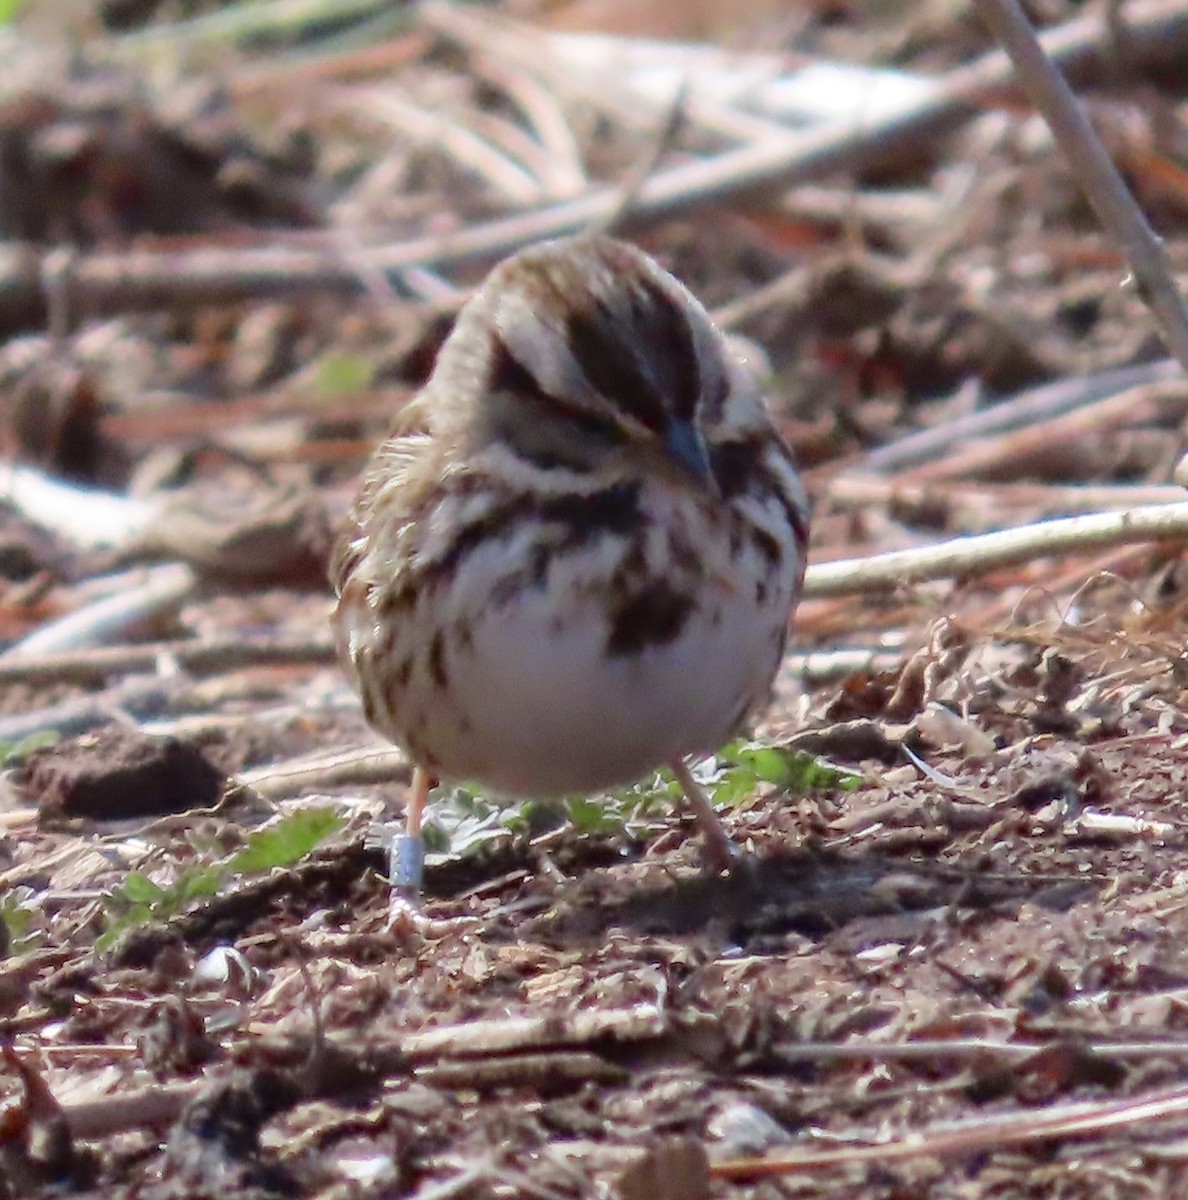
<point x="387" y="492"/>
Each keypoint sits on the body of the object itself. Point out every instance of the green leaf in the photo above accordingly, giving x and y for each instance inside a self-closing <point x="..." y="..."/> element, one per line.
<point x="286" y="842"/>
<point x="139" y="901"/>
<point x="13" y="752"/>
<point x="793" y="770"/>
<point x="9" y="9"/>
<point x="198" y="883"/>
<point x="140" y="889"/>
<point x="17" y="921"/>
<point x="342" y="374"/>
<point x="595" y="815"/>
<point x="462" y="822"/>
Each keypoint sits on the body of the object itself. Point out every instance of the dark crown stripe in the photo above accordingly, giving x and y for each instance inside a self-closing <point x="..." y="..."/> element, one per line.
<point x="672" y="349"/>
<point x="608" y="361"/>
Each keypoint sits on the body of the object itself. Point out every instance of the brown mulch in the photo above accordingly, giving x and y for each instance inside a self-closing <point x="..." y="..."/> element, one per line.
<point x="230" y="257"/>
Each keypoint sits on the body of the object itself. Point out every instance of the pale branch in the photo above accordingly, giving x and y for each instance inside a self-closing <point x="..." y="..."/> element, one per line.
<point x="963" y="1138"/>
<point x="981" y="553"/>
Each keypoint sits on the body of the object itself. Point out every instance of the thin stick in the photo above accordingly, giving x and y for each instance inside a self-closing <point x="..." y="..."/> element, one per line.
<point x="157" y="591"/>
<point x="1094" y="170"/>
<point x="933" y="1050"/>
<point x="197" y="657"/>
<point x="368" y="764"/>
<point x="1042" y="403"/>
<point x="850" y="492"/>
<point x="986" y="552"/>
<point x="1145" y="405"/>
<point x="970" y="1137"/>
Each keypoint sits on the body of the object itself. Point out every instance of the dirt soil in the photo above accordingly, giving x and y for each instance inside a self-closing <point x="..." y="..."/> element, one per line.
<point x="233" y="248"/>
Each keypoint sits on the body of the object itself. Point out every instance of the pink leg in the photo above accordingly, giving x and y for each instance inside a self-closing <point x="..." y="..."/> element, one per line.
<point x="415" y="808"/>
<point x="719" y="851"/>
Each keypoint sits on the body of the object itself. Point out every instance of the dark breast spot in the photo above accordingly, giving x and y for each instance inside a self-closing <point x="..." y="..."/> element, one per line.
<point x="370" y="703"/>
<point x="683" y="553"/>
<point x="566" y="524"/>
<point x="739" y="468"/>
<point x="654" y="616"/>
<point x="580" y="518"/>
<point x="396" y="600"/>
<point x="734" y="465"/>
<point x="437" y="665"/>
<point x="613" y="510"/>
<point x="767" y="545"/>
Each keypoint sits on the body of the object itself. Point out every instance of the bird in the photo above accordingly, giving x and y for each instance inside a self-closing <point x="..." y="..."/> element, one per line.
<point x="575" y="557"/>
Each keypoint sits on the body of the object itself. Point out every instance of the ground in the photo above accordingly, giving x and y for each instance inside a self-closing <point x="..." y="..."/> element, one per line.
<point x="950" y="964"/>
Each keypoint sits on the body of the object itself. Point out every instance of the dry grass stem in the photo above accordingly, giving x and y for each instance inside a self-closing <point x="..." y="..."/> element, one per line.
<point x="1094" y="169"/>
<point x="983" y="553"/>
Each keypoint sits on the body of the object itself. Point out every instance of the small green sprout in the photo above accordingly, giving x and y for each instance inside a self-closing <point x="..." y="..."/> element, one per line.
<point x="139" y="901"/>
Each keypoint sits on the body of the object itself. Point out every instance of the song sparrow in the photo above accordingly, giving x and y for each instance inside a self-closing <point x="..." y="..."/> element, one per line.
<point x="575" y="557"/>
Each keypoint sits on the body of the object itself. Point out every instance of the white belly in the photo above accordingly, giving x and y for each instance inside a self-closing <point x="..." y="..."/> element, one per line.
<point x="537" y="711"/>
<point x="532" y="702"/>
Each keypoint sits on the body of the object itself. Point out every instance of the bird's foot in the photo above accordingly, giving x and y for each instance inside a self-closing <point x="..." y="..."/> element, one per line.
<point x="719" y="855"/>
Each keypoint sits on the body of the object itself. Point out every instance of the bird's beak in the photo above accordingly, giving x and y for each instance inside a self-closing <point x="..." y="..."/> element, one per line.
<point x="686" y="447"/>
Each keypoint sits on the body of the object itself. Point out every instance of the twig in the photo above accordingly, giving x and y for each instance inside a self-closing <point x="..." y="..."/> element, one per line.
<point x="387" y="108"/>
<point x="663" y="141"/>
<point x="160" y="590"/>
<point x="131" y="701"/>
<point x="87" y="516"/>
<point x="934" y="1049"/>
<point x="597" y="70"/>
<point x="151" y="1108"/>
<point x="522" y="1045"/>
<point x="209" y="657"/>
<point x="814" y="668"/>
<point x="1027" y="408"/>
<point x="1148" y="404"/>
<point x="851" y="492"/>
<point x="371" y="764"/>
<point x="237" y="21"/>
<point x="504" y="1035"/>
<point x="562" y="170"/>
<point x="970" y="1137"/>
<point x="540" y="1071"/>
<point x="1094" y="170"/>
<point x="985" y="552"/>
